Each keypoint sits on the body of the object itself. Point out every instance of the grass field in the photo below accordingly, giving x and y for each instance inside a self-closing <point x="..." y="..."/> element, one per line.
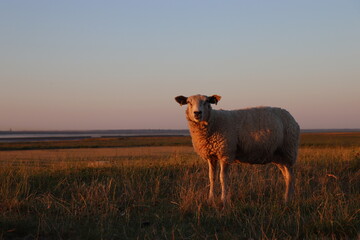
<point x="156" y="188"/>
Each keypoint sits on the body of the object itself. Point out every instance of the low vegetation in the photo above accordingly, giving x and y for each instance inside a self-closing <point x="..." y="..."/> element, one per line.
<point x="346" y="139"/>
<point x="155" y="191"/>
<point x="109" y="142"/>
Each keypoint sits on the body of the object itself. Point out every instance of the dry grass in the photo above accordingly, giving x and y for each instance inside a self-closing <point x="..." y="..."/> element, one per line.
<point x="160" y="193"/>
<point x="107" y="142"/>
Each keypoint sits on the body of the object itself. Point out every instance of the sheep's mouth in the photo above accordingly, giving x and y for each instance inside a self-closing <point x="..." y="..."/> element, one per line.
<point x="198" y="118"/>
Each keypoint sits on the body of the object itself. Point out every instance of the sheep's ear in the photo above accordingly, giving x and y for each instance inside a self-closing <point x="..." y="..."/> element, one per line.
<point x="181" y="100"/>
<point x="214" y="99"/>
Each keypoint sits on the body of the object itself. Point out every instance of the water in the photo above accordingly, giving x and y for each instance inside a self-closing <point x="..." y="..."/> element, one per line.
<point x="17" y="136"/>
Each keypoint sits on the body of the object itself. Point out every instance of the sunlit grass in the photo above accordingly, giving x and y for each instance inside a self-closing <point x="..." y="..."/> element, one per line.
<point x="161" y="192"/>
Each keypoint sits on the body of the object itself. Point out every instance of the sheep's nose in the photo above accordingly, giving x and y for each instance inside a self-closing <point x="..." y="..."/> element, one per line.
<point x="197" y="113"/>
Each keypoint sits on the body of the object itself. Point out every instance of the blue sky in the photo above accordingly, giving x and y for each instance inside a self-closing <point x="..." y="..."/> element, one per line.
<point x="119" y="64"/>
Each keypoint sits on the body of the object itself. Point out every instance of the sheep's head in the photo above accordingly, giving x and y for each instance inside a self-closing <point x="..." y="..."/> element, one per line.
<point x="199" y="107"/>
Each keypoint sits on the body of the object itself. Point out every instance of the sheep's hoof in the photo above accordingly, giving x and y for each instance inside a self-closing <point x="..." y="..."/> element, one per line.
<point x="211" y="202"/>
<point x="223" y="207"/>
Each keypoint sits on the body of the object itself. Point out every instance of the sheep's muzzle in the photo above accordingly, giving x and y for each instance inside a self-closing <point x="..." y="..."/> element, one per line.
<point x="198" y="115"/>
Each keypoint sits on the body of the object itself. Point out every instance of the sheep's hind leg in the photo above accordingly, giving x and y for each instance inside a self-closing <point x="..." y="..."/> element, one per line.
<point x="288" y="173"/>
<point x="212" y="171"/>
<point x="224" y="166"/>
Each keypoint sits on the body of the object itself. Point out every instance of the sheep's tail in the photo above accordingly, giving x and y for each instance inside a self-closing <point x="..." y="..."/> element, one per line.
<point x="291" y="137"/>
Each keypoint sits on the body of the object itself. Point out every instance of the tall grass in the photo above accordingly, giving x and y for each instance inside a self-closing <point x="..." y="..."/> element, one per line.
<point x="161" y="192"/>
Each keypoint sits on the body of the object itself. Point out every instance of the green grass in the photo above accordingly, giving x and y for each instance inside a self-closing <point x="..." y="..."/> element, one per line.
<point x="142" y="193"/>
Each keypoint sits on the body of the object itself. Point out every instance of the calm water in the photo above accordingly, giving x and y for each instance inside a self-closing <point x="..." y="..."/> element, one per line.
<point x="15" y="136"/>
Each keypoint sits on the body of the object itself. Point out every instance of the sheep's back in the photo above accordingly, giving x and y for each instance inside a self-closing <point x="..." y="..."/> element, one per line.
<point x="250" y="135"/>
<point x="264" y="131"/>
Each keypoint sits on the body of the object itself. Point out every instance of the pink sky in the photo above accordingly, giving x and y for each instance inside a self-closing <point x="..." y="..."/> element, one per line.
<point x="81" y="65"/>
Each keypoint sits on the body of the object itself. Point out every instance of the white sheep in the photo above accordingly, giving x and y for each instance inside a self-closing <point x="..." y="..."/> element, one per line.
<point x="255" y="135"/>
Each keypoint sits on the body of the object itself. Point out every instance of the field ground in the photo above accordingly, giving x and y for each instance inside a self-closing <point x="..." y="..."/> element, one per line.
<point x="156" y="188"/>
<point x="346" y="139"/>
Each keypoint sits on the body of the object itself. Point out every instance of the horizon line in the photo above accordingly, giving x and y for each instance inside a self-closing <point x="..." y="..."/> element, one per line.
<point x="158" y="129"/>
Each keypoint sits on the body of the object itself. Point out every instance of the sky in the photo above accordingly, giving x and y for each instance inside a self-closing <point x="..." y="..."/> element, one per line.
<point x="83" y="65"/>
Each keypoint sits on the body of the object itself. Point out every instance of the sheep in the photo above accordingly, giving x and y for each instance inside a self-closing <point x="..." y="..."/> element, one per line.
<point x="257" y="135"/>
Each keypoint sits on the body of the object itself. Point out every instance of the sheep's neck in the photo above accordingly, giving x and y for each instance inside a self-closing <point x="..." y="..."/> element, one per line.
<point x="198" y="129"/>
<point x="201" y="133"/>
<point x="201" y="129"/>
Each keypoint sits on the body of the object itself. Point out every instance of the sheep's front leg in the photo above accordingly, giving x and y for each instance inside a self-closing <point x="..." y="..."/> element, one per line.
<point x="212" y="171"/>
<point x="224" y="166"/>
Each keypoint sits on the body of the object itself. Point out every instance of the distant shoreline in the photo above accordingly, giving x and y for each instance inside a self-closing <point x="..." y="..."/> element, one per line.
<point x="335" y="130"/>
<point x="24" y="136"/>
<point x="31" y="136"/>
